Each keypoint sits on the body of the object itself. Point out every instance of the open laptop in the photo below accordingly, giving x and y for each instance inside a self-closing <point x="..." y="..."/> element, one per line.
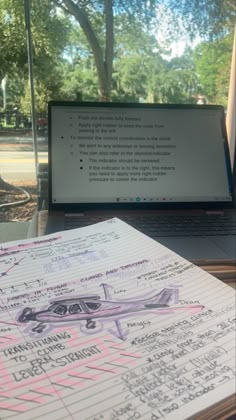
<point x="165" y="169"/>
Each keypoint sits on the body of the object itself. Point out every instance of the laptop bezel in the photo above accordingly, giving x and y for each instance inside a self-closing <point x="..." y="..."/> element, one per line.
<point x="76" y="207"/>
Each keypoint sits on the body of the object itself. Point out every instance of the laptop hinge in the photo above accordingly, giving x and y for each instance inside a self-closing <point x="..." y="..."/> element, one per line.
<point x="78" y="214"/>
<point x="214" y="212"/>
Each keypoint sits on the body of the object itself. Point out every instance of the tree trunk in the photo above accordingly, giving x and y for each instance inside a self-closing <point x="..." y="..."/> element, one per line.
<point x="103" y="61"/>
<point x="4" y="91"/>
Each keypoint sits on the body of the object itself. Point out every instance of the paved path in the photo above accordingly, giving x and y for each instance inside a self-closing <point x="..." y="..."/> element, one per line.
<point x="19" y="165"/>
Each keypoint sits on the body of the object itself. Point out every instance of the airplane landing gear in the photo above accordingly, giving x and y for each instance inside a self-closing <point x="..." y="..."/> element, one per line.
<point x="39" y="328"/>
<point x="90" y="324"/>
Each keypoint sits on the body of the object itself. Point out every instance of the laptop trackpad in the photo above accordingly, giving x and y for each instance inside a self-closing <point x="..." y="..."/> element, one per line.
<point x="200" y="248"/>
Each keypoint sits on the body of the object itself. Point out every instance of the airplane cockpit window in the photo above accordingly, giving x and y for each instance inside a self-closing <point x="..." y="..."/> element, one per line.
<point x="93" y="305"/>
<point x="60" y="310"/>
<point x="75" y="308"/>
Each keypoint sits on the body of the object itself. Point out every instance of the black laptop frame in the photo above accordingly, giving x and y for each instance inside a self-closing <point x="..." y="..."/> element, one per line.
<point x="79" y="207"/>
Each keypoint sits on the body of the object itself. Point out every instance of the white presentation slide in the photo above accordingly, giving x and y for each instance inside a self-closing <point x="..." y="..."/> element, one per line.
<point x="137" y="154"/>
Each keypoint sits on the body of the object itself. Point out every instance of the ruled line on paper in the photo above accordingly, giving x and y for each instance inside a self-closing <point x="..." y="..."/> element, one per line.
<point x="203" y="338"/>
<point x="86" y="342"/>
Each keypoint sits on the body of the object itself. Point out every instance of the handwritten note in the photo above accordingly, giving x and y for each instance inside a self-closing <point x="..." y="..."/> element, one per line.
<point x="103" y="323"/>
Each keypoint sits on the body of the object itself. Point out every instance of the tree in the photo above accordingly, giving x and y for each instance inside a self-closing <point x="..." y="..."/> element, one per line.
<point x="199" y="16"/>
<point x="49" y="34"/>
<point x="213" y="61"/>
<point x="102" y="44"/>
<point x="181" y="83"/>
<point x="137" y="63"/>
<point x="140" y="72"/>
<point x="211" y="19"/>
<point x="79" y="74"/>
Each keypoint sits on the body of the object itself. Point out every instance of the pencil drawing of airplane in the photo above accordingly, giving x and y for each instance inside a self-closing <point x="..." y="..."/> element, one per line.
<point x="92" y="308"/>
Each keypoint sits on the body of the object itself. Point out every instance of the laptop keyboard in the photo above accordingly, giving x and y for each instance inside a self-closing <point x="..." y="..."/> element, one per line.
<point x="169" y="225"/>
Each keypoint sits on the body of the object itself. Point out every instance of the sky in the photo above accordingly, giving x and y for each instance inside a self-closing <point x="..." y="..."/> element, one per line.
<point x="165" y="32"/>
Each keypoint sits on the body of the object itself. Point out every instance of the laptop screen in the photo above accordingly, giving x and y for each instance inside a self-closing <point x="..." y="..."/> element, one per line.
<point x="137" y="153"/>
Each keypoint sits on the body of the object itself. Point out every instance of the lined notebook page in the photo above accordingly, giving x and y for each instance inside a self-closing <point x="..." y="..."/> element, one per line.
<point x="104" y="323"/>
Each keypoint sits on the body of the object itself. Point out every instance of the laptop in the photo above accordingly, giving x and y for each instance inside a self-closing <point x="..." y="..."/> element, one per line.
<point x="164" y="169"/>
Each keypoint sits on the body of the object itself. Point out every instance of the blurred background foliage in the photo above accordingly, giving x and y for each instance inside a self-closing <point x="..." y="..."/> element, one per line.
<point x="117" y="50"/>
